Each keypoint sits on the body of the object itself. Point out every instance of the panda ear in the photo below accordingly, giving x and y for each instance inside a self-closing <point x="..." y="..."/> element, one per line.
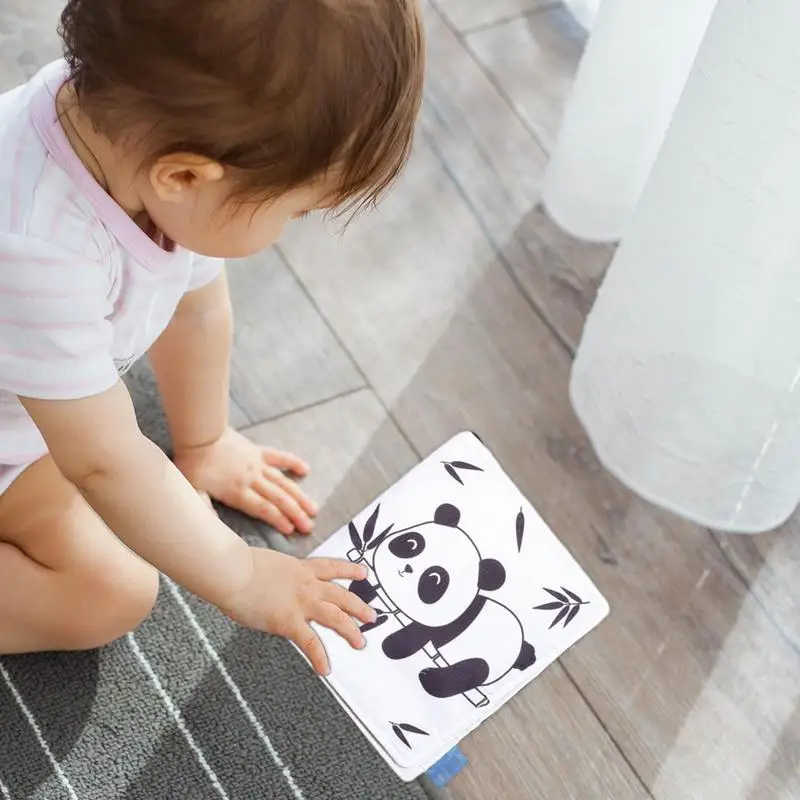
<point x="492" y="575"/>
<point x="447" y="515"/>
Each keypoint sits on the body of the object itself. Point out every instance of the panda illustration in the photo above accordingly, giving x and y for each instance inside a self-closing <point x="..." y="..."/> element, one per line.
<point x="435" y="577"/>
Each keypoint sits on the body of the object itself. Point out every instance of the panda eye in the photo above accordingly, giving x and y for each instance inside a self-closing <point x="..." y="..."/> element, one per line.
<point x="409" y="545"/>
<point x="433" y="584"/>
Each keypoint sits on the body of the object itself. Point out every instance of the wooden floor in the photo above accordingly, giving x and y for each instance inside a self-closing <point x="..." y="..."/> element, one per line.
<point x="458" y="305"/>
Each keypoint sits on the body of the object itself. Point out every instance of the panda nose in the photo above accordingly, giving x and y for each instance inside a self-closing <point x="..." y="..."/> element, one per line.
<point x="408" y="569"/>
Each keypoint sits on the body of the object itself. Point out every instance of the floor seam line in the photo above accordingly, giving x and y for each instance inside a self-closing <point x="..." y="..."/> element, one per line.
<point x="617" y="746"/>
<point x="348" y="352"/>
<point x="487" y="26"/>
<point x="308" y="407"/>
<point x="506" y="98"/>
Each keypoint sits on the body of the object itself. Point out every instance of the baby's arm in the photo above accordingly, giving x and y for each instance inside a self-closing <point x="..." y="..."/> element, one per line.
<point x="192" y="364"/>
<point x="144" y="499"/>
<point x="97" y="445"/>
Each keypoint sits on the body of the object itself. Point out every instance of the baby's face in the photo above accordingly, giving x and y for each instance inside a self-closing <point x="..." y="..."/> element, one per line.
<point x="205" y="220"/>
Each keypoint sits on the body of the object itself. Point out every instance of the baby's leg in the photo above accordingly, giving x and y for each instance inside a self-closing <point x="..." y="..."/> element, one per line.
<point x="66" y="582"/>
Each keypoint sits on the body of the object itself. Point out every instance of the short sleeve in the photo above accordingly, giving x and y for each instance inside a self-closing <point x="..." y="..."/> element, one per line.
<point x="204" y="271"/>
<point x="55" y="335"/>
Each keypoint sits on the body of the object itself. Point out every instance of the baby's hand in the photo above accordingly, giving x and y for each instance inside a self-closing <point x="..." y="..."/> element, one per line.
<point x="251" y="479"/>
<point x="284" y="594"/>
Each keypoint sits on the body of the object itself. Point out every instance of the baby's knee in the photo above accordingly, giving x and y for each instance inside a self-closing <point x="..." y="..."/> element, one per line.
<point x="116" y="605"/>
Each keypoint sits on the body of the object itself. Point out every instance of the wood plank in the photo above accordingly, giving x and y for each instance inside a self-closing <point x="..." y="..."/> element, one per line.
<point x="546" y="763"/>
<point x="355" y="452"/>
<point x="284" y="357"/>
<point x="770" y="566"/>
<point x="399" y="319"/>
<point x="466" y="15"/>
<point x="485" y="145"/>
<point x="498" y="167"/>
<point x="561" y="275"/>
<point x="690" y="676"/>
<point x="534" y="59"/>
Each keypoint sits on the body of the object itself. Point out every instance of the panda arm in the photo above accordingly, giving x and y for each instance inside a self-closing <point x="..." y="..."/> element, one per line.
<point x="364" y="590"/>
<point x="407" y="641"/>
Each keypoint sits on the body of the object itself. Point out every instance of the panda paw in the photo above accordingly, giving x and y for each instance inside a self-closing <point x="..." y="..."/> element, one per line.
<point x="370" y="626"/>
<point x="364" y="590"/>
<point x="456" y="679"/>
<point x="526" y="657"/>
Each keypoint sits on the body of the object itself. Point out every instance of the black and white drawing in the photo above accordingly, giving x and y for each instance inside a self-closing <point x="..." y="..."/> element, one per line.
<point x="433" y="578"/>
<point x="566" y="603"/>
<point x="402" y="729"/>
<point x="475" y="597"/>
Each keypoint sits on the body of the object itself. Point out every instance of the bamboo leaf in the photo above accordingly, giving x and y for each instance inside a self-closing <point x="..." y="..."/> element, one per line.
<point x="412" y="729"/>
<point x="520" y="529"/>
<point x="465" y="465"/>
<point x="549" y="607"/>
<point x="354" y="537"/>
<point x="401" y="736"/>
<point x="453" y="474"/>
<point x="378" y="539"/>
<point x="558" y="596"/>
<point x="561" y="614"/>
<point x="572" y="595"/>
<point x="369" y="528"/>
<point x="572" y="614"/>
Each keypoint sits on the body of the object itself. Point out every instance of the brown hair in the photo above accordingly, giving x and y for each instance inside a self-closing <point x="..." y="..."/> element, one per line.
<point x="280" y="91"/>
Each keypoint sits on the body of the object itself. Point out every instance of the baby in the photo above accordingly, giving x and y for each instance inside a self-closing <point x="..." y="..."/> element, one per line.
<point x="174" y="134"/>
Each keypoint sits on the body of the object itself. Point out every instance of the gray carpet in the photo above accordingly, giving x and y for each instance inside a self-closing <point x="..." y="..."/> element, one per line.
<point x="155" y="717"/>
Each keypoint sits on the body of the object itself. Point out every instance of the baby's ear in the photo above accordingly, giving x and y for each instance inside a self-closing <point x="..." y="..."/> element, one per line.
<point x="492" y="575"/>
<point x="447" y="515"/>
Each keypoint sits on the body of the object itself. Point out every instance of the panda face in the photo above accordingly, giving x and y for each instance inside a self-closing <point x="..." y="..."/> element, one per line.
<point x="431" y="573"/>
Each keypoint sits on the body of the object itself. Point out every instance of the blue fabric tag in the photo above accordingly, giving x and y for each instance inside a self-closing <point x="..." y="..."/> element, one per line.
<point x="444" y="770"/>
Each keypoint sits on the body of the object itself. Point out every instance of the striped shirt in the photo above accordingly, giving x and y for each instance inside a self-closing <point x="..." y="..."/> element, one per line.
<point x="84" y="292"/>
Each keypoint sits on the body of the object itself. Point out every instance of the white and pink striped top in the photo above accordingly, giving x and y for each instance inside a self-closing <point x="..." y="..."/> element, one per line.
<point x="84" y="291"/>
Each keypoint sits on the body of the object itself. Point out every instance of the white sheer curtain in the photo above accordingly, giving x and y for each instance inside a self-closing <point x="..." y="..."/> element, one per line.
<point x="585" y="11"/>
<point x="688" y="375"/>
<point x="630" y="79"/>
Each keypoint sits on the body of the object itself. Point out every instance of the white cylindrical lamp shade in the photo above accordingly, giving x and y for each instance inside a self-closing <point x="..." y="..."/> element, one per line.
<point x="688" y="375"/>
<point x="629" y="82"/>
<point x="584" y="11"/>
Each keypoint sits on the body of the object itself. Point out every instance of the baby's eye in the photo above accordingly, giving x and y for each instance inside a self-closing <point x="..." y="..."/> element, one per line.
<point x="300" y="214"/>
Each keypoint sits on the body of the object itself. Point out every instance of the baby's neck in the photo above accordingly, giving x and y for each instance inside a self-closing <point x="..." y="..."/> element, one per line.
<point x="111" y="166"/>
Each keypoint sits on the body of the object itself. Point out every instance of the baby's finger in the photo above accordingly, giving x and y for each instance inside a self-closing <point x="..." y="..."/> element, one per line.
<point x="312" y="647"/>
<point x="292" y="489"/>
<point x="331" y="569"/>
<point x="334" y="618"/>
<point x="348" y="602"/>
<point x="286" y="462"/>
<point x="284" y="502"/>
<point x="256" y="505"/>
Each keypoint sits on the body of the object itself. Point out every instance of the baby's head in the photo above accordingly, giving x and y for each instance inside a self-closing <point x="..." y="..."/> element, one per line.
<point x="242" y="114"/>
